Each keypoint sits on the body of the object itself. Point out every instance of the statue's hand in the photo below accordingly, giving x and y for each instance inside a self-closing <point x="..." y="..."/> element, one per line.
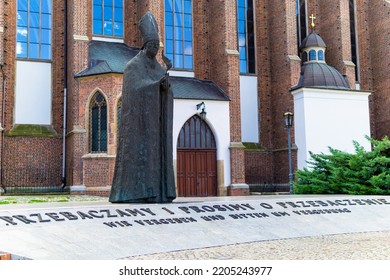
<point x="164" y="82"/>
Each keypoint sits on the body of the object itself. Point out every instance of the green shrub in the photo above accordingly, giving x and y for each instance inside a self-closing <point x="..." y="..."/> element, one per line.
<point x="364" y="172"/>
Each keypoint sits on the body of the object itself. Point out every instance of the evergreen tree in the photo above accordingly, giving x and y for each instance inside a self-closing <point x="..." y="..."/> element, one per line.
<point x="363" y="172"/>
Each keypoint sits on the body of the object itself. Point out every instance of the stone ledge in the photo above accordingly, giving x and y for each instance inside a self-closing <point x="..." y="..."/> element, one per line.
<point x="80" y="38"/>
<point x="349" y="63"/>
<point x="77" y="129"/>
<point x="231" y="52"/>
<point x="77" y="188"/>
<point x="238" y="190"/>
<point x="98" y="156"/>
<point x="293" y="58"/>
<point x="32" y="130"/>
<point x="236" y="145"/>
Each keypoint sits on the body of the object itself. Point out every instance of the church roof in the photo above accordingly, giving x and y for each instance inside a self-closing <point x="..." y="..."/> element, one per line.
<point x="321" y="75"/>
<point x="192" y="88"/>
<point x="312" y="40"/>
<point x="108" y="57"/>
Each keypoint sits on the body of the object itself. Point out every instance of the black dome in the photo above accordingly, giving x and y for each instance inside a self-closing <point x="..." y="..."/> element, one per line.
<point x="313" y="40"/>
<point x="321" y="75"/>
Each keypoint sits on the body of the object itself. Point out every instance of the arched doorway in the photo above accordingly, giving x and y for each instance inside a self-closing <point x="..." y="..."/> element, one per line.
<point x="196" y="159"/>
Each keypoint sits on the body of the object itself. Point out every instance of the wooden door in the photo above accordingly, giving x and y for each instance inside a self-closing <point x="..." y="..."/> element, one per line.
<point x="196" y="173"/>
<point x="196" y="160"/>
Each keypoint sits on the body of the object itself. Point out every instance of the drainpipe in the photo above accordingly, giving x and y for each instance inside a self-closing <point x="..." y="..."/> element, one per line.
<point x="2" y="131"/>
<point x="63" y="179"/>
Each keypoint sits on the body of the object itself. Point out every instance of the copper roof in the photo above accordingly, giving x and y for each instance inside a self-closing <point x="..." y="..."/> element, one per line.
<point x="321" y="75"/>
<point x="313" y="40"/>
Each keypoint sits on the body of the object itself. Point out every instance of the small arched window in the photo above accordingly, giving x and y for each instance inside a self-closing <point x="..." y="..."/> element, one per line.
<point x="98" y="124"/>
<point x="321" y="55"/>
<point x="304" y="57"/>
<point x="312" y="55"/>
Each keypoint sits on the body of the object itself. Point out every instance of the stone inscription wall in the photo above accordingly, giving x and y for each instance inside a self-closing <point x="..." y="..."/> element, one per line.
<point x="185" y="213"/>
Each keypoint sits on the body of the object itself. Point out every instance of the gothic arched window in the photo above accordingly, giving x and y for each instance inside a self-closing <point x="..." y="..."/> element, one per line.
<point x="98" y="124"/>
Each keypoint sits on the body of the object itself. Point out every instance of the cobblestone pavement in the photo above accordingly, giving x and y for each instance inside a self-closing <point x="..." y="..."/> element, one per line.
<point x="354" y="246"/>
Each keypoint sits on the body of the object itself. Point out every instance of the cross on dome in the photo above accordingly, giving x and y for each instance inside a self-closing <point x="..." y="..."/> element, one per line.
<point x="312" y="17"/>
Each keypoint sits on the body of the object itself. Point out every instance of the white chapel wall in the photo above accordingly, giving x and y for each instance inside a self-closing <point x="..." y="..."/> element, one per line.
<point x="329" y="118"/>
<point x="249" y="109"/>
<point x="218" y="120"/>
<point x="33" y="93"/>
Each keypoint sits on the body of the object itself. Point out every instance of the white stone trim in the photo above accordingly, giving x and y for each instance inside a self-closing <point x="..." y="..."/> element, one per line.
<point x="80" y="38"/>
<point x="106" y="39"/>
<point x="98" y="155"/>
<point x="77" y="129"/>
<point x="78" y="188"/>
<point x="186" y="74"/>
<point x="231" y="52"/>
<point x="239" y="186"/>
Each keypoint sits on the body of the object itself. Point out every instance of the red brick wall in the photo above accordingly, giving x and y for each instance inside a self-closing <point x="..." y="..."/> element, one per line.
<point x="98" y="171"/>
<point x="9" y="46"/>
<point x="32" y="161"/>
<point x="284" y="70"/>
<point x="259" y="167"/>
<point x="2" y="26"/>
<point x="264" y="72"/>
<point x="334" y="28"/>
<point x="364" y="54"/>
<point x="202" y="47"/>
<point x="225" y="73"/>
<point x="379" y="29"/>
<point x="79" y="24"/>
<point x="82" y="168"/>
<point x="132" y="34"/>
<point x="268" y="167"/>
<point x="58" y="47"/>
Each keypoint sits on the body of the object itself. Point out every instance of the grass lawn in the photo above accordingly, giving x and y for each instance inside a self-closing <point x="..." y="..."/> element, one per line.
<point x="24" y="199"/>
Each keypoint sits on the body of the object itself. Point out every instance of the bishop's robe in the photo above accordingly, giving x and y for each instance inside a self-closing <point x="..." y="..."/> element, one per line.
<point x="144" y="161"/>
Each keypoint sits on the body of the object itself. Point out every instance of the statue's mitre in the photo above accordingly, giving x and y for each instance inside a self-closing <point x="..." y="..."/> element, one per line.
<point x="148" y="27"/>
